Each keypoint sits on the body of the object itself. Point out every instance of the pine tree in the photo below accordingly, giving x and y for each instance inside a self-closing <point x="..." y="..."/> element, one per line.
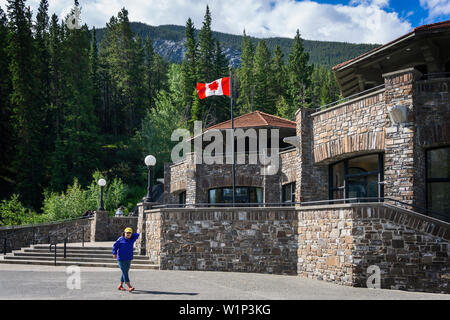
<point x="77" y="148"/>
<point x="94" y="74"/>
<point x="7" y="141"/>
<point x="189" y="68"/>
<point x="278" y="79"/>
<point x="245" y="100"/>
<point x="262" y="74"/>
<point x="27" y="111"/>
<point x="150" y="92"/>
<point x="299" y="74"/>
<point x="205" y="68"/>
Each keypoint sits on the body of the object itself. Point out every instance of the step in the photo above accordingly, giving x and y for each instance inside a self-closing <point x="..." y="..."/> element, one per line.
<point x="46" y="246"/>
<point x="81" y="264"/>
<point x="60" y="258"/>
<point x="58" y="250"/>
<point x="71" y="254"/>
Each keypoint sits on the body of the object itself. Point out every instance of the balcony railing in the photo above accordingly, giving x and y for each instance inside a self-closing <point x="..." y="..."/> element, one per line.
<point x="352" y="97"/>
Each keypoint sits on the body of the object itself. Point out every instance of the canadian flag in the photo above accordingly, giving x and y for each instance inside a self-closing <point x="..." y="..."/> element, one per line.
<point x="219" y="87"/>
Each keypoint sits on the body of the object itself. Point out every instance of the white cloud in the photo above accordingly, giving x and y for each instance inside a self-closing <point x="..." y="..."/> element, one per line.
<point x="436" y="9"/>
<point x="361" y="21"/>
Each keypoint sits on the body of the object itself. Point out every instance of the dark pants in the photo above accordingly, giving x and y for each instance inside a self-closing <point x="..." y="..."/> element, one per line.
<point x="124" y="265"/>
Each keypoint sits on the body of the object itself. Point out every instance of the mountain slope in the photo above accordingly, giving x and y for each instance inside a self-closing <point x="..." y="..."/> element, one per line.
<point x="168" y="41"/>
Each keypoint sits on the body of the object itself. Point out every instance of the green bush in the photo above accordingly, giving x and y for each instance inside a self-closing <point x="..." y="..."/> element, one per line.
<point x="12" y="213"/>
<point x="75" y="201"/>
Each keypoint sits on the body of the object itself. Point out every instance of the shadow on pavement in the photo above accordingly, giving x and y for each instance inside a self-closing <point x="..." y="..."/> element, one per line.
<point x="136" y="291"/>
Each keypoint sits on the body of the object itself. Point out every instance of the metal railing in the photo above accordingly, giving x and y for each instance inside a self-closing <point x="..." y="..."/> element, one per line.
<point x="428" y="212"/>
<point x="66" y="237"/>
<point x="52" y="235"/>
<point x="353" y="96"/>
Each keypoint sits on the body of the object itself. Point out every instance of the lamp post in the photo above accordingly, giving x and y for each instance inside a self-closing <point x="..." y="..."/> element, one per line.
<point x="101" y="183"/>
<point x="150" y="162"/>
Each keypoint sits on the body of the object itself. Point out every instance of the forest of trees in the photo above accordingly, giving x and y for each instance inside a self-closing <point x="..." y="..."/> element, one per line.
<point x="72" y="108"/>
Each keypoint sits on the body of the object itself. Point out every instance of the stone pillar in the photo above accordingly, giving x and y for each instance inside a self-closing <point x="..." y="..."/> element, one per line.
<point x="401" y="174"/>
<point x="99" y="226"/>
<point x="312" y="180"/>
<point x="141" y="225"/>
<point x="272" y="186"/>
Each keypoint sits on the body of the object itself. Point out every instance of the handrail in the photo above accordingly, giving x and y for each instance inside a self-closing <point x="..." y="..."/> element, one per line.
<point x="349" y="97"/>
<point x="304" y="203"/>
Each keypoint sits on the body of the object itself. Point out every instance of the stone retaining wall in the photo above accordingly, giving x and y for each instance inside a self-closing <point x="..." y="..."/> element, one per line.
<point x="335" y="243"/>
<point x="99" y="228"/>
<point x="262" y="240"/>
<point x="24" y="236"/>
<point x="338" y="243"/>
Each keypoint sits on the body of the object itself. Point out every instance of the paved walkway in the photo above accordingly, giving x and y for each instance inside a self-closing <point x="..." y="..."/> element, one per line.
<point x="49" y="282"/>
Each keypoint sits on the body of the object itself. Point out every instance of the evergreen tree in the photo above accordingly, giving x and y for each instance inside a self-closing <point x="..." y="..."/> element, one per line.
<point x="262" y="75"/>
<point x="94" y="74"/>
<point x="205" y="68"/>
<point x="245" y="73"/>
<point x="189" y="68"/>
<point x="78" y="145"/>
<point x="27" y="111"/>
<point x="7" y="141"/>
<point x="278" y="79"/>
<point x="148" y="70"/>
<point x="299" y="75"/>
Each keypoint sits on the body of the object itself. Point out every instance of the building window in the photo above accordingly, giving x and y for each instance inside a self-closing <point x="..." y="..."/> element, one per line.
<point x="243" y="195"/>
<point x="182" y="197"/>
<point x="357" y="177"/>
<point x="288" y="192"/>
<point x="438" y="182"/>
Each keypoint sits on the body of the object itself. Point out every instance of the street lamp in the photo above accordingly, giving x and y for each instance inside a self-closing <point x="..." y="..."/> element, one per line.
<point x="150" y="162"/>
<point x="101" y="183"/>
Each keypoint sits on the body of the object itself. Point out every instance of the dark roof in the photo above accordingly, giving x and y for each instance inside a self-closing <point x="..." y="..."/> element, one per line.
<point x="427" y="27"/>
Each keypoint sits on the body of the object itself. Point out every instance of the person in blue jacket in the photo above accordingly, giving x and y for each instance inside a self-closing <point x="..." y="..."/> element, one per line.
<point x="123" y="251"/>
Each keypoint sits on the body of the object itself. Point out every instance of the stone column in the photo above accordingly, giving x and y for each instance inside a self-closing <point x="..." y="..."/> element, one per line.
<point x="141" y="225"/>
<point x="312" y="180"/>
<point x="401" y="174"/>
<point x="99" y="226"/>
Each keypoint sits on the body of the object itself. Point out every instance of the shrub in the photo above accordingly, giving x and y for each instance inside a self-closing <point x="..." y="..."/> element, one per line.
<point x="12" y="212"/>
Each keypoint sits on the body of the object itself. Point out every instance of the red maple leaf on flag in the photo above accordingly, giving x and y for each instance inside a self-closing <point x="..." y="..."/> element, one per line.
<point x="213" y="86"/>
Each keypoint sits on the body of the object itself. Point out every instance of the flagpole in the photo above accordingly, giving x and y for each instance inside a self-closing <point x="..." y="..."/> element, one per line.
<point x="232" y="137"/>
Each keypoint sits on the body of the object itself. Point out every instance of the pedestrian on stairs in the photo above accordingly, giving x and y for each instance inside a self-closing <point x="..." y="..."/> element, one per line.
<point x="123" y="251"/>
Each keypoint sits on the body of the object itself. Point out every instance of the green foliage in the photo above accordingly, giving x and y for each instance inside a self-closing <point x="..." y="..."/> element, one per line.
<point x="12" y="213"/>
<point x="75" y="200"/>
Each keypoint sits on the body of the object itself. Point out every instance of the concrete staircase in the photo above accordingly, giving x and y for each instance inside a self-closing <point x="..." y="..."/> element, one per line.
<point x="87" y="256"/>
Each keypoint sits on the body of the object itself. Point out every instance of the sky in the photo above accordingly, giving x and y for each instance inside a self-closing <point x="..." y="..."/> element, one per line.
<point x="354" y="21"/>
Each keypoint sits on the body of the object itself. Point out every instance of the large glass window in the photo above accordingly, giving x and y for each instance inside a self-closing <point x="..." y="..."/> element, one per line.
<point x="438" y="183"/>
<point x="243" y="195"/>
<point x="357" y="177"/>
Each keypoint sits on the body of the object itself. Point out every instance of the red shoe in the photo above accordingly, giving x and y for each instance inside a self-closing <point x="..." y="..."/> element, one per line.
<point x="131" y="289"/>
<point x="121" y="288"/>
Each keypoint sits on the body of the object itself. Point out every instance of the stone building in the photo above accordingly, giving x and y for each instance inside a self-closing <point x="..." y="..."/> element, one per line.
<point x="389" y="139"/>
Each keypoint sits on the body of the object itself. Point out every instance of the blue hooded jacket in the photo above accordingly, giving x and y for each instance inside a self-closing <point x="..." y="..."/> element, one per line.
<point x="123" y="247"/>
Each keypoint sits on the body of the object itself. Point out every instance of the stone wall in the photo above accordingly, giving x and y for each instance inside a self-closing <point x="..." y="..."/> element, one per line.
<point x="338" y="243"/>
<point x="24" y="236"/>
<point x="224" y="239"/>
<point x="197" y="179"/>
<point x="312" y="180"/>
<point x="401" y="175"/>
<point x="100" y="228"/>
<point x="350" y="128"/>
<point x="335" y="243"/>
<point x="288" y="168"/>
